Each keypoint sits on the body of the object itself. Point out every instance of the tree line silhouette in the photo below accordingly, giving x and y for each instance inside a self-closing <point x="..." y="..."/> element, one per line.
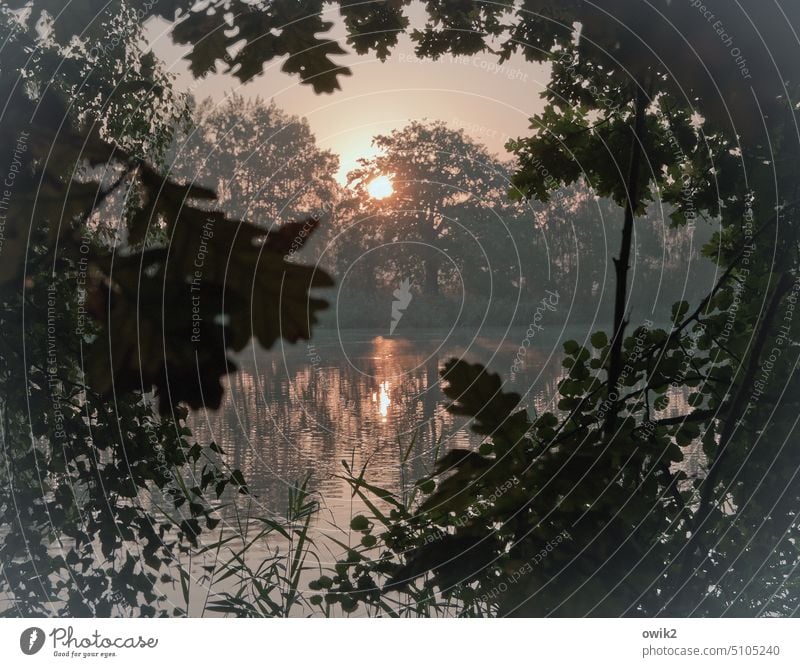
<point x="472" y="255"/>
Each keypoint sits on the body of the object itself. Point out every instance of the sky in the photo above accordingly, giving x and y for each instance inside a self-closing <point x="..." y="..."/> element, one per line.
<point x="490" y="102"/>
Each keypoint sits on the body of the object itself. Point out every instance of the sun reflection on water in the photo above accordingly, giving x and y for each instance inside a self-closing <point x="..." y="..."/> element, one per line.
<point x="382" y="399"/>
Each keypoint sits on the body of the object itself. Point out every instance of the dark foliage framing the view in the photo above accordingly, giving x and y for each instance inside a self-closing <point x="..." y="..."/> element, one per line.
<point x="636" y="118"/>
<point x="101" y="306"/>
<point x="635" y="535"/>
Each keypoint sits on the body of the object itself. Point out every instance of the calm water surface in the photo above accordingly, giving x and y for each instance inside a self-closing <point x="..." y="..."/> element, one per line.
<point x="365" y="398"/>
<point x="360" y="397"/>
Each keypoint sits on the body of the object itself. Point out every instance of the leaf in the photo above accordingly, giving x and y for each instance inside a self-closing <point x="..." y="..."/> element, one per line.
<point x="172" y="314"/>
<point x="477" y="393"/>
<point x="679" y="309"/>
<point x="426" y="485"/>
<point x="282" y="29"/>
<point x="359" y="522"/>
<point x="455" y="559"/>
<point x="599" y="340"/>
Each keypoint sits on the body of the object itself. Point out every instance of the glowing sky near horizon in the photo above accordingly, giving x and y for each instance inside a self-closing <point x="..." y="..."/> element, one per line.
<point x="468" y="93"/>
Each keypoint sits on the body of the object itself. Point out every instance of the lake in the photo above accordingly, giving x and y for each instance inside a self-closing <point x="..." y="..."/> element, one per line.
<point x="365" y="397"/>
<point x="362" y="397"/>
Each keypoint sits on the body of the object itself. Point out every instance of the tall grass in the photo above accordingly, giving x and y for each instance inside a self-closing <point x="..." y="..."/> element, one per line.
<point x="285" y="566"/>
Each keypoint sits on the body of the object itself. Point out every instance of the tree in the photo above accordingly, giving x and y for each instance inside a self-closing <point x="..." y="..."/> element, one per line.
<point x="263" y="163"/>
<point x="189" y="278"/>
<point x="80" y="538"/>
<point x="90" y="332"/>
<point x="448" y="194"/>
<point x="641" y="120"/>
<point x="603" y="519"/>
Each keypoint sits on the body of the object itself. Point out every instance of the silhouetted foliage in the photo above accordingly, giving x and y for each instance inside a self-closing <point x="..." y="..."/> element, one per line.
<point x="115" y="281"/>
<point x="586" y="509"/>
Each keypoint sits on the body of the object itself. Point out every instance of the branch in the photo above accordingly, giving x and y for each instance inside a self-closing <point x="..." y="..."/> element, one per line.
<point x="622" y="263"/>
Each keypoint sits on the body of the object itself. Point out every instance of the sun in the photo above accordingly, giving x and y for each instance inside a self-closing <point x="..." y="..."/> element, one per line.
<point x="380" y="187"/>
